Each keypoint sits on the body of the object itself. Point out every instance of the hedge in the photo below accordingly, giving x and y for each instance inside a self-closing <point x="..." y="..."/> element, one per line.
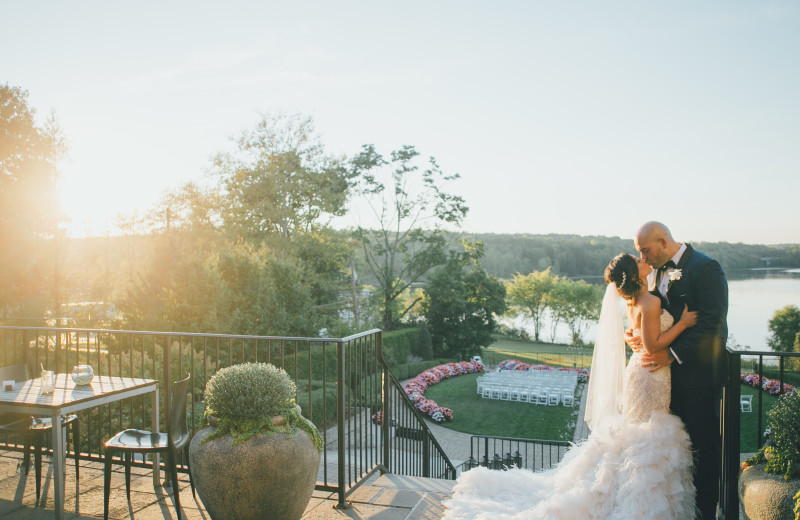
<point x="398" y="345"/>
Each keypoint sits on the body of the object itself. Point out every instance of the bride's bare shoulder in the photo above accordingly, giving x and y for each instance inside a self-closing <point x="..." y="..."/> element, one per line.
<point x="649" y="303"/>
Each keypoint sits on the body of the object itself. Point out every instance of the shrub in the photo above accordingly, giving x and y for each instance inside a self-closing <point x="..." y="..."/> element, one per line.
<point x="249" y="391"/>
<point x="424" y="348"/>
<point x="783" y="452"/>
<point x="409" y="370"/>
<point x="245" y="397"/>
<point x="512" y="332"/>
<point x="794" y="362"/>
<point x="322" y="410"/>
<point x="398" y="345"/>
<point x="319" y="364"/>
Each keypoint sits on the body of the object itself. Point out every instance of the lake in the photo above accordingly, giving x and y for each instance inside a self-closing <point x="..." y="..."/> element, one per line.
<point x="754" y="296"/>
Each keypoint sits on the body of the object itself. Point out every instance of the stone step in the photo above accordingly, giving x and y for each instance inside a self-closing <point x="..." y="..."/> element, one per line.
<point x="427" y="493"/>
<point x="388" y="497"/>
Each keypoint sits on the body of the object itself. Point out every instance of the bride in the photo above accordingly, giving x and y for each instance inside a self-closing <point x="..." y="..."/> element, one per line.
<point x="637" y="462"/>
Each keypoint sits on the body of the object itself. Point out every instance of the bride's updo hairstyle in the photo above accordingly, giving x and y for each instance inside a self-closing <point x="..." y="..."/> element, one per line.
<point x="624" y="273"/>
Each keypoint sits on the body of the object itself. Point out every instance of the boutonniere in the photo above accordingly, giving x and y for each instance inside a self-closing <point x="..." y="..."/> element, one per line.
<point x="675" y="274"/>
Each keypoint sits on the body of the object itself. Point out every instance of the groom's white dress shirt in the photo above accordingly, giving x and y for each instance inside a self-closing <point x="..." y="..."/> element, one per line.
<point x="663" y="284"/>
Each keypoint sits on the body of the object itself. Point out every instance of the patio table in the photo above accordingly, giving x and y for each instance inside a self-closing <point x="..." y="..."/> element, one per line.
<point x="26" y="398"/>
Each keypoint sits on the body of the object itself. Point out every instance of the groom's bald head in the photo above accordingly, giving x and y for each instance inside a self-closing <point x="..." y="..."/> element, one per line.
<point x="655" y="243"/>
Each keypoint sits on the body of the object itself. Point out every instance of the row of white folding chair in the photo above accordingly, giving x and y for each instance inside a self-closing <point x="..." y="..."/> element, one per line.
<point x="487" y="386"/>
<point x="535" y="395"/>
<point x="531" y="373"/>
<point x="534" y="377"/>
<point x="529" y="383"/>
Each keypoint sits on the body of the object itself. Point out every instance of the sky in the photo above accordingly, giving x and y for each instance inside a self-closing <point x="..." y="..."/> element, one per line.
<point x="581" y="117"/>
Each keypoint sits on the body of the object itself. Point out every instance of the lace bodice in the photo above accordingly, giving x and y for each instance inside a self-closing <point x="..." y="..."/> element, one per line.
<point x="645" y="392"/>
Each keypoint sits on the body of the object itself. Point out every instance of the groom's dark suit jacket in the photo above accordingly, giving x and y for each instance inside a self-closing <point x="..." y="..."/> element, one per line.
<point x="701" y="349"/>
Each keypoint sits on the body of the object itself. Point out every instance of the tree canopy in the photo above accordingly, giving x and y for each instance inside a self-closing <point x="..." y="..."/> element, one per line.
<point x="280" y="181"/>
<point x="460" y="306"/>
<point x="783" y="328"/>
<point x="529" y="295"/>
<point x="406" y="239"/>
<point x="29" y="155"/>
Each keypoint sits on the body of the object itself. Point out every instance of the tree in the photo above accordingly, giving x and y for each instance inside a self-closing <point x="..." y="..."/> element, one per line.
<point x="406" y="239"/>
<point x="783" y="328"/>
<point x="529" y="296"/>
<point x="28" y="203"/>
<point x="424" y="343"/>
<point x="265" y="294"/>
<point x="577" y="304"/>
<point x="794" y="363"/>
<point x="460" y="306"/>
<point x="279" y="190"/>
<point x="280" y="181"/>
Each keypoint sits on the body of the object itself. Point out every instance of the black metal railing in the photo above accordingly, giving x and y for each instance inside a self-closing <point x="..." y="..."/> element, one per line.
<point x="342" y="383"/>
<point x="410" y="447"/>
<point x="507" y="452"/>
<point x="730" y="416"/>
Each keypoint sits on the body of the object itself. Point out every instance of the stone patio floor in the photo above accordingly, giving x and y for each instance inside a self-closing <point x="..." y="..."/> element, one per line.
<point x="387" y="497"/>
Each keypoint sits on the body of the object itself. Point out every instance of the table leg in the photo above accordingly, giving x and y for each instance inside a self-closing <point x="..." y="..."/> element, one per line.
<point x="58" y="465"/>
<point x="154" y="420"/>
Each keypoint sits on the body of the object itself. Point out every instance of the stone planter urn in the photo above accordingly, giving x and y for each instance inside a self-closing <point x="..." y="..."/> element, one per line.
<point x="765" y="496"/>
<point x="266" y="477"/>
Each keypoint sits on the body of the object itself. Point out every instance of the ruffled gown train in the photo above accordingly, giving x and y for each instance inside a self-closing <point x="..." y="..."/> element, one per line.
<point x="634" y="466"/>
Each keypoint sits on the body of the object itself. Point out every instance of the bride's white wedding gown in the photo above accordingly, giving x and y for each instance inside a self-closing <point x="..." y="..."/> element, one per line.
<point x="637" y="466"/>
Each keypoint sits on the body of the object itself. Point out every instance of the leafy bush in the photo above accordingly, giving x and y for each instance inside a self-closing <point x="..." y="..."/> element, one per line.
<point x="398" y="345"/>
<point x="424" y="348"/>
<point x="320" y="364"/>
<point x="512" y="332"/>
<point x="409" y="370"/>
<point x="322" y="411"/>
<point x="783" y="452"/>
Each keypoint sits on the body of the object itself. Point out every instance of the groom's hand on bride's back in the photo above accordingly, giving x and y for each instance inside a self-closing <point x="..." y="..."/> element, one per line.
<point x="635" y="342"/>
<point x="656" y="360"/>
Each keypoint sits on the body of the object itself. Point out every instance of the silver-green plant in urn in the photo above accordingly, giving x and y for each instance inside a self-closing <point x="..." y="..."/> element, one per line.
<point x="259" y="457"/>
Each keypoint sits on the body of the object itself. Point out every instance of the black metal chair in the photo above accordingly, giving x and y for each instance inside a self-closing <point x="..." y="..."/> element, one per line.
<point x="175" y="441"/>
<point x="35" y="430"/>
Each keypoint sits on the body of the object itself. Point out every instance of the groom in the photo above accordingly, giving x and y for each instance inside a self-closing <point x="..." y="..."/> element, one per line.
<point x="698" y="356"/>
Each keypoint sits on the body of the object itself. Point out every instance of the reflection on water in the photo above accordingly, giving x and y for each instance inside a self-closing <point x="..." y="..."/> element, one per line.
<point x="754" y="300"/>
<point x="754" y="296"/>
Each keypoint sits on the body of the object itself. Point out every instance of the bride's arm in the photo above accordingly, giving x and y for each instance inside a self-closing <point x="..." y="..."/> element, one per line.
<point x="652" y="338"/>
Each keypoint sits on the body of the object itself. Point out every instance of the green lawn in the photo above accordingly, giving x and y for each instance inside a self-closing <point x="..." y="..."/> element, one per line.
<point x="537" y="353"/>
<point x="748" y="441"/>
<point x="473" y="414"/>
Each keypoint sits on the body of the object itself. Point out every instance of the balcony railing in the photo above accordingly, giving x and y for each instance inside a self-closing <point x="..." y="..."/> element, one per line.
<point x="730" y="418"/>
<point x="507" y="452"/>
<point x="342" y="384"/>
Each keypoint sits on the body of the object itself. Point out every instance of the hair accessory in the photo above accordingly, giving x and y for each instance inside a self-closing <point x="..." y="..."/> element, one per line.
<point x="624" y="278"/>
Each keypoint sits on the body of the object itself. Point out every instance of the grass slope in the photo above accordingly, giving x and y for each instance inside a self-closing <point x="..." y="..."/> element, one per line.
<point x="478" y="416"/>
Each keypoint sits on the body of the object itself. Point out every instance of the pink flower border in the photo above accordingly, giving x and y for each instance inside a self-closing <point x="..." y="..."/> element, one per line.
<point x="771" y="386"/>
<point x="415" y="388"/>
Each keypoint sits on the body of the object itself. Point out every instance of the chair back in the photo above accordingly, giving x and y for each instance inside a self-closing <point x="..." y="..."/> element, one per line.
<point x="178" y="432"/>
<point x="15" y="372"/>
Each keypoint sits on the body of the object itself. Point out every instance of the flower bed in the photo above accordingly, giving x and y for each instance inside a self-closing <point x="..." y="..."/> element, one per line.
<point x="771" y="386"/>
<point x="516" y="364"/>
<point x="415" y="388"/>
